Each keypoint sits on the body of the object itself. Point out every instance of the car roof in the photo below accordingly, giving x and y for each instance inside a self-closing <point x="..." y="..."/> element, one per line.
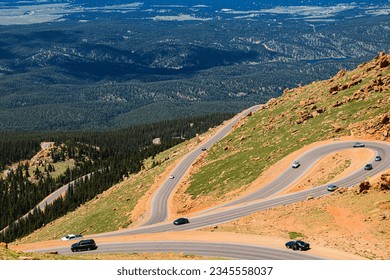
<point x="87" y="241"/>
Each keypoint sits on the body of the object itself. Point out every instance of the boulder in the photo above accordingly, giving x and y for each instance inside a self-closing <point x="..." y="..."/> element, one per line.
<point x="384" y="62"/>
<point x="385" y="120"/>
<point x="334" y="89"/>
<point x="340" y="74"/>
<point x="384" y="183"/>
<point x="364" y="187"/>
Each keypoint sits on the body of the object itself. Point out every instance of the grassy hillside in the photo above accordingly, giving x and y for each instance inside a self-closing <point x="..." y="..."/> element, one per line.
<point x="352" y="103"/>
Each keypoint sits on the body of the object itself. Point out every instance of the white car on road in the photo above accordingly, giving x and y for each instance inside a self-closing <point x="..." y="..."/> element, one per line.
<point x="296" y="164"/>
<point x="71" y="237"/>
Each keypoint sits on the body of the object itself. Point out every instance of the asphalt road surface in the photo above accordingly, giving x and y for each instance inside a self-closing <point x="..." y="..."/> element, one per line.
<point x="224" y="250"/>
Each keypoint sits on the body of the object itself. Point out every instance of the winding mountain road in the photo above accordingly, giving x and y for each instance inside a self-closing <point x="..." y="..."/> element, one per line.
<point x="159" y="205"/>
<point x="262" y="199"/>
<point x="308" y="159"/>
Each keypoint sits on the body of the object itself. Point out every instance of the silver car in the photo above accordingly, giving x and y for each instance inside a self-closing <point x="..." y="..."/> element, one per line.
<point x="358" y="145"/>
<point x="296" y="164"/>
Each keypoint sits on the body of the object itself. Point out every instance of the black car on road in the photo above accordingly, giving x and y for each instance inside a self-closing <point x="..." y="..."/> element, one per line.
<point x="332" y="187"/>
<point x="378" y="158"/>
<point x="298" y="245"/>
<point x="84" y="245"/>
<point x="181" y="221"/>
<point x="368" y="166"/>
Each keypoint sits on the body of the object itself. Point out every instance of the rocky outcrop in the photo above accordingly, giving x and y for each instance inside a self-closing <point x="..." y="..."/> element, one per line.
<point x="379" y="127"/>
<point x="384" y="60"/>
<point x="335" y="88"/>
<point x="303" y="115"/>
<point x="374" y="68"/>
<point x="44" y="156"/>
<point x="363" y="187"/>
<point x="308" y="109"/>
<point x="384" y="183"/>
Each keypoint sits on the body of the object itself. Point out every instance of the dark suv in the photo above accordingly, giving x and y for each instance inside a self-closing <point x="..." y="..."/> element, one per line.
<point x="84" y="245"/>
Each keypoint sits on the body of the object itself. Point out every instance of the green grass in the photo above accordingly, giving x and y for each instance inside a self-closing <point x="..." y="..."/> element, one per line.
<point x="59" y="168"/>
<point x="293" y="235"/>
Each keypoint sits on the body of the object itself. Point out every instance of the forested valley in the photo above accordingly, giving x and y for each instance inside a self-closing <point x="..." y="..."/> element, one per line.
<point x="101" y="159"/>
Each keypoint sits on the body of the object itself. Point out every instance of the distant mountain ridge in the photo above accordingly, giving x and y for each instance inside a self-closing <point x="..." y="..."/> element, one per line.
<point x="99" y="64"/>
<point x="214" y="3"/>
